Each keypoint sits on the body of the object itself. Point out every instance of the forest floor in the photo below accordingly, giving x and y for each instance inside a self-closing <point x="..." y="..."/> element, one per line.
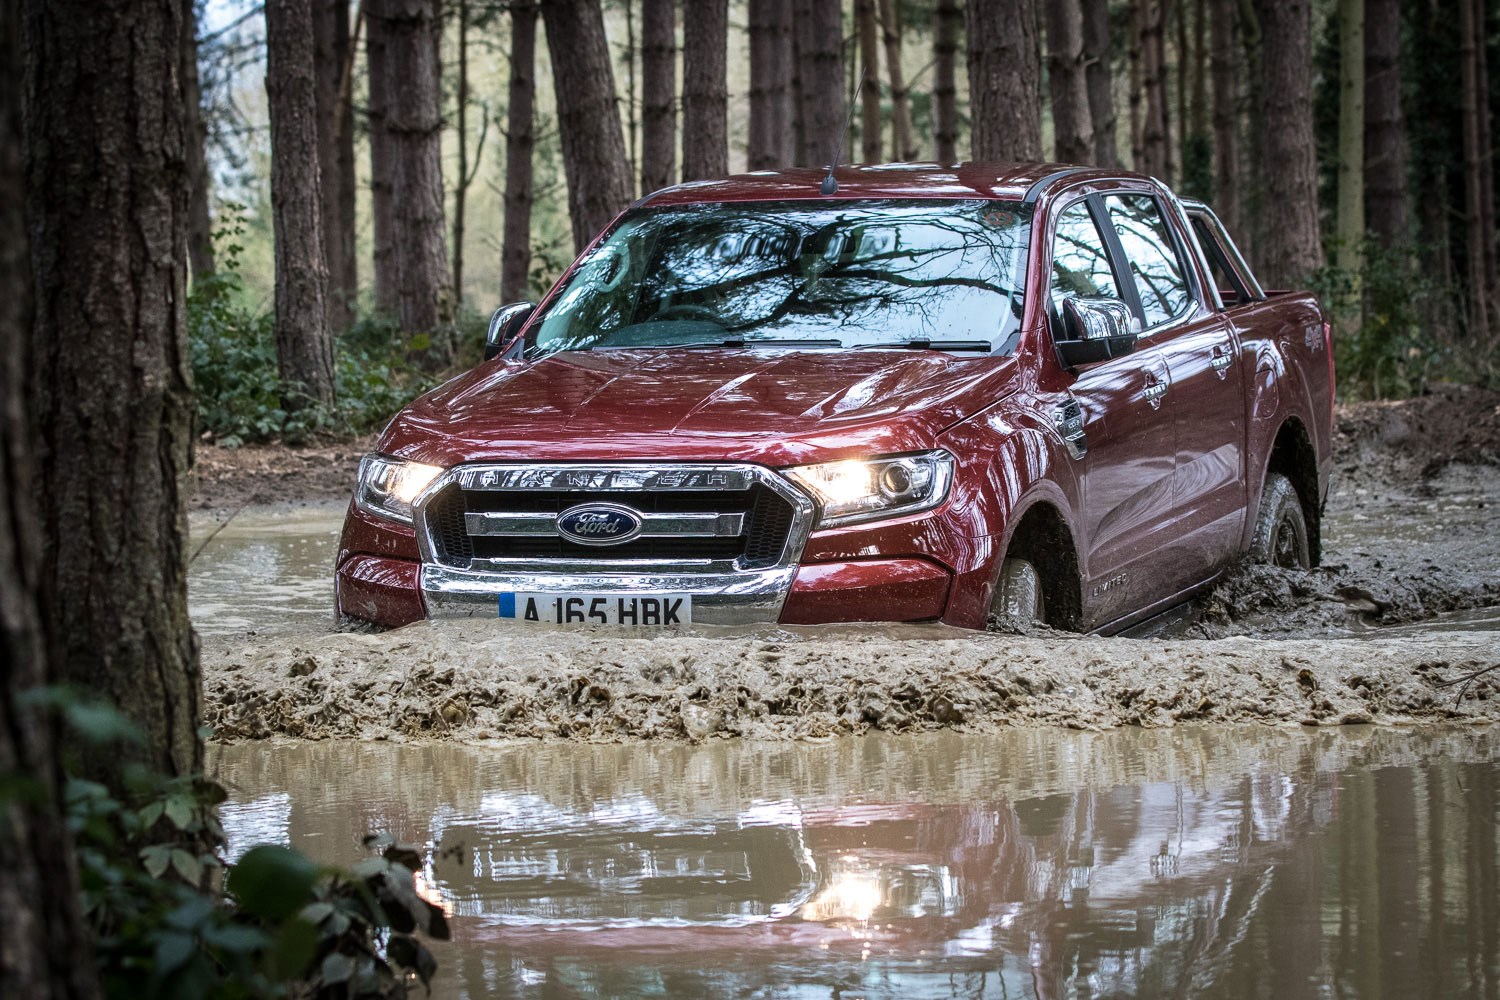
<point x="1376" y="634"/>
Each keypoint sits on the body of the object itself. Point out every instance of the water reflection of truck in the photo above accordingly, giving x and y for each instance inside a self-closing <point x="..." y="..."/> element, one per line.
<point x="1128" y="890"/>
<point x="1056" y="393"/>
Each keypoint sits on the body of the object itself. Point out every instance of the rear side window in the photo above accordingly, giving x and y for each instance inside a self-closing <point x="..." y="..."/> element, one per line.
<point x="1152" y="258"/>
<point x="1080" y="264"/>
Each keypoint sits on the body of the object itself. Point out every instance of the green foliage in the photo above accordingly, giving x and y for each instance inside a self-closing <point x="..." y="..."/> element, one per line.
<point x="1384" y="319"/>
<point x="240" y="392"/>
<point x="281" y="927"/>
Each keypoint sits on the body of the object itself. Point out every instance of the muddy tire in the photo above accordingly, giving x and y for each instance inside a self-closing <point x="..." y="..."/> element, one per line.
<point x="1019" y="596"/>
<point x="1280" y="537"/>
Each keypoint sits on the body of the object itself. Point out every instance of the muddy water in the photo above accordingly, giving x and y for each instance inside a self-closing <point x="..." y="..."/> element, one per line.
<point x="267" y="571"/>
<point x="1204" y="862"/>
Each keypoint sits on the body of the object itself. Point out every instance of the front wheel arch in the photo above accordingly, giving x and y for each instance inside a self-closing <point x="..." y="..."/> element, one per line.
<point x="1042" y="538"/>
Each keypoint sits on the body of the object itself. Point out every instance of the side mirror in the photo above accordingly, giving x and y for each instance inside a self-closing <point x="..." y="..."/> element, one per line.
<point x="504" y="326"/>
<point x="1096" y="329"/>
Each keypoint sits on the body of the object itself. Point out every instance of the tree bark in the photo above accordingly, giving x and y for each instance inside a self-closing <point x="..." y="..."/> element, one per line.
<point x="1387" y="211"/>
<point x="1097" y="77"/>
<point x="304" y="348"/>
<point x="1004" y="81"/>
<point x="770" y="84"/>
<point x="200" y="222"/>
<point x="1073" y="129"/>
<point x="593" y="147"/>
<point x="819" y="33"/>
<point x="868" y="30"/>
<point x="336" y="157"/>
<point x="1156" y="155"/>
<point x="705" y="91"/>
<point x="382" y="203"/>
<point x="414" y="126"/>
<point x="903" y="143"/>
<point x="111" y="365"/>
<point x="520" y="141"/>
<point x="659" y="94"/>
<point x="1291" y="249"/>
<point x="1226" y="117"/>
<point x="1479" y="236"/>
<point x="946" y="25"/>
<point x="46" y="952"/>
<point x="1351" y="167"/>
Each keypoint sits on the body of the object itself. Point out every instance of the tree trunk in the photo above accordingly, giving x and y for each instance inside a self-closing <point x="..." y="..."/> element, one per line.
<point x="200" y="223"/>
<point x="1351" y="167"/>
<point x="819" y="32"/>
<point x="770" y="84"/>
<point x="659" y="94"/>
<point x="589" y="125"/>
<point x="705" y="92"/>
<point x="868" y="31"/>
<point x="1479" y="239"/>
<point x="1156" y="152"/>
<point x="1073" y="129"/>
<point x="1387" y="211"/>
<point x="382" y="203"/>
<point x="1226" y="114"/>
<point x="946" y="26"/>
<point x="632" y="98"/>
<point x="1487" y="176"/>
<point x="903" y="144"/>
<point x="46" y="954"/>
<point x="111" y="364"/>
<point x="414" y="126"/>
<point x="1291" y="249"/>
<point x="520" y="141"/>
<point x="1135" y="67"/>
<point x="336" y="157"/>
<point x="1097" y="77"/>
<point x="461" y="139"/>
<point x="1005" y="79"/>
<point x="304" y="349"/>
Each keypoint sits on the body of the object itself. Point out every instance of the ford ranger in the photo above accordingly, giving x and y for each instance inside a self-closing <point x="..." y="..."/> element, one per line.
<point x="1051" y="393"/>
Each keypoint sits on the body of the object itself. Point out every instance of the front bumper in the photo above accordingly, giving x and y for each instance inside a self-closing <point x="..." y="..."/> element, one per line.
<point x="394" y="592"/>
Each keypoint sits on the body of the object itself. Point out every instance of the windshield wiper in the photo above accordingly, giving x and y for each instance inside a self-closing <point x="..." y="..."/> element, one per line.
<point x="741" y="342"/>
<point x="983" y="346"/>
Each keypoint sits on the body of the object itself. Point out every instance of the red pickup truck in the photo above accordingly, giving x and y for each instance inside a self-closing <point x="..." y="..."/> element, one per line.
<point x="938" y="393"/>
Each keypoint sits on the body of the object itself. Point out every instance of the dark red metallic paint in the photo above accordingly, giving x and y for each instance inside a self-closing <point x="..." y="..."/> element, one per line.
<point x="1163" y="498"/>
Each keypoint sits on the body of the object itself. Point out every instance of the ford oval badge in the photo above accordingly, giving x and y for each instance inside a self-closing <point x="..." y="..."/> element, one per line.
<point x="598" y="524"/>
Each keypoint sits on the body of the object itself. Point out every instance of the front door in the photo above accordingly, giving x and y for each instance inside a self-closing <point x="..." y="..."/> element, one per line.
<point x="1129" y="434"/>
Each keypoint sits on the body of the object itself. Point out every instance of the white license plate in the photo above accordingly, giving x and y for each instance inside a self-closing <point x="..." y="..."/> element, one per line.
<point x="597" y="609"/>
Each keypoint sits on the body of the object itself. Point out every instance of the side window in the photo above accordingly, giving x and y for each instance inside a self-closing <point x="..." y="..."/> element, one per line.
<point x="1080" y="264"/>
<point x="1151" y="256"/>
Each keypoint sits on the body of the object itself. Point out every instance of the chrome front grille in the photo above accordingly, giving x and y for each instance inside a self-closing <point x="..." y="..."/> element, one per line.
<point x="709" y="518"/>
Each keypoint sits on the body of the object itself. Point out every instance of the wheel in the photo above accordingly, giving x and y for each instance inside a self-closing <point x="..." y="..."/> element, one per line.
<point x="1280" y="537"/>
<point x="1018" y="596"/>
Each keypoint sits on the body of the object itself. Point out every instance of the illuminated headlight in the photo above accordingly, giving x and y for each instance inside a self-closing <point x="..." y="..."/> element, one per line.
<point x="388" y="486"/>
<point x="867" y="490"/>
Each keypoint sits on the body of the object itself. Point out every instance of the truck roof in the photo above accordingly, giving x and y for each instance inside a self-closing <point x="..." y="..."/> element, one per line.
<point x="1010" y="181"/>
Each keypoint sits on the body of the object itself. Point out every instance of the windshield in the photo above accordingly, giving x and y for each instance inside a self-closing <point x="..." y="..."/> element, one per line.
<point x="930" y="273"/>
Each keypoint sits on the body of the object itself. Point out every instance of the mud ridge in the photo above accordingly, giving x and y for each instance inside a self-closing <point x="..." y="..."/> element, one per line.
<point x="477" y="681"/>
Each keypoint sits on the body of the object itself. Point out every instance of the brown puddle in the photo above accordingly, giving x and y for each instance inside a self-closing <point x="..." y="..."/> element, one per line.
<point x="1196" y="861"/>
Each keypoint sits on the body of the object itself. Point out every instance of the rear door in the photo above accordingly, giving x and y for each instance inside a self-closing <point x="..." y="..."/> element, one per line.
<point x="1208" y="390"/>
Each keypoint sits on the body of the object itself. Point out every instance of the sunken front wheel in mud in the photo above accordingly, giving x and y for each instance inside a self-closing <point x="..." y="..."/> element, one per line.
<point x="1019" y="596"/>
<point x="1280" y="537"/>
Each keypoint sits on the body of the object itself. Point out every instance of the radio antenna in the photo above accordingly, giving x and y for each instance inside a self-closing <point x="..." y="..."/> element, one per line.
<point x="830" y="185"/>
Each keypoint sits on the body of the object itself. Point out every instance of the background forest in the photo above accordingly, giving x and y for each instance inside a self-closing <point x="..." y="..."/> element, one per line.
<point x="465" y="150"/>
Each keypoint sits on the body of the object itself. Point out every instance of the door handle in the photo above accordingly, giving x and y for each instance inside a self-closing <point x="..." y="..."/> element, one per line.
<point x="1155" y="390"/>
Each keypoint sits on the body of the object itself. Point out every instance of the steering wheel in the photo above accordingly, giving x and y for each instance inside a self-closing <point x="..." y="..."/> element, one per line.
<point x="687" y="310"/>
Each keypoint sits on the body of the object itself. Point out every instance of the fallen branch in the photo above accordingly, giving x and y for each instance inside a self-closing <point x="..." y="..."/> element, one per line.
<point x="1466" y="680"/>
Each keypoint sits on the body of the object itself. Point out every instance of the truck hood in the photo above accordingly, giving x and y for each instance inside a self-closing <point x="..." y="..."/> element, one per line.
<point x="778" y="408"/>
